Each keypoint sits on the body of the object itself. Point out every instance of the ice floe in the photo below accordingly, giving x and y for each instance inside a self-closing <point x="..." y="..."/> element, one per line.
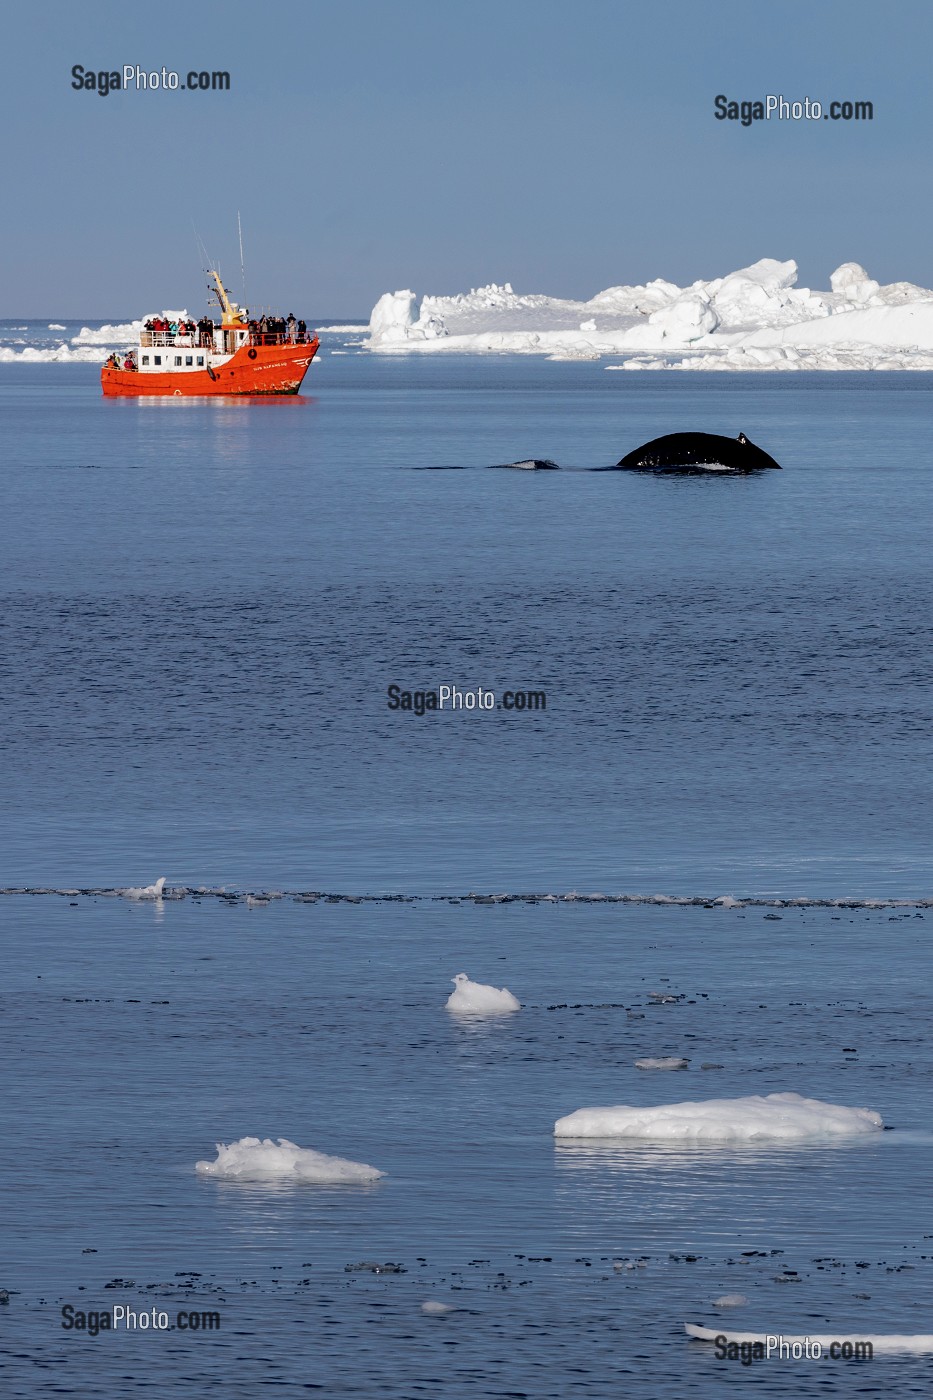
<point x="753" y="318"/>
<point x="145" y="891"/>
<point x="436" y="1309"/>
<point x="918" y="1343"/>
<point x="255" y="1159"/>
<point x="58" y="354"/>
<point x="665" y="1062"/>
<point x="731" y="1300"/>
<point x="477" y="999"/>
<point x="770" y="1118"/>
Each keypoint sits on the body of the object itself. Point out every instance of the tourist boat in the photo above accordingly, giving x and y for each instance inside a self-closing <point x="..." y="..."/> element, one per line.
<point x="237" y="357"/>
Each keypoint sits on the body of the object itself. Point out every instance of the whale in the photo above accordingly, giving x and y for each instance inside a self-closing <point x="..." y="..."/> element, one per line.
<point x="697" y="452"/>
<point x="528" y="464"/>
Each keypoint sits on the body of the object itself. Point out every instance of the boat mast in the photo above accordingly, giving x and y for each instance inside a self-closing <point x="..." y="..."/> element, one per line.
<point x="233" y="315"/>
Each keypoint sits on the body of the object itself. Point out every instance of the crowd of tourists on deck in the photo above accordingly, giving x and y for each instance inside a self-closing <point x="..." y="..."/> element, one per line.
<point x="267" y="330"/>
<point x="129" y="361"/>
<point x="278" y="330"/>
<point x="158" y="330"/>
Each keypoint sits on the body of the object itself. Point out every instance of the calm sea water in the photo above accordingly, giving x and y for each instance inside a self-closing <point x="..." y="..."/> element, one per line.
<point x="203" y="607"/>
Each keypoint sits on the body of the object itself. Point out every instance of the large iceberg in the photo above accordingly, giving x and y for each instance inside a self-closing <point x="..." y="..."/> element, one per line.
<point x="754" y="318"/>
<point x="770" y="1118"/>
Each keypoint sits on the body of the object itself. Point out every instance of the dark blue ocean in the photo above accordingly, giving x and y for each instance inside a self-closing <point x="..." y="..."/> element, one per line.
<point x="203" y="607"/>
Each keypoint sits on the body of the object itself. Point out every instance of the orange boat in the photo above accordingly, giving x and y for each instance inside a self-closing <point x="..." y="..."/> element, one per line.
<point x="237" y="357"/>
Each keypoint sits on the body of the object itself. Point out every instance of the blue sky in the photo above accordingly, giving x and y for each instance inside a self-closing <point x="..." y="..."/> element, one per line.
<point x="378" y="144"/>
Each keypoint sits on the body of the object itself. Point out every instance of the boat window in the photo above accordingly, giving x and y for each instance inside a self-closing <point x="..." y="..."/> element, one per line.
<point x="145" y="359"/>
<point x="189" y="360"/>
<point x="178" y="359"/>
<point x="157" y="359"/>
<point x="200" y="359"/>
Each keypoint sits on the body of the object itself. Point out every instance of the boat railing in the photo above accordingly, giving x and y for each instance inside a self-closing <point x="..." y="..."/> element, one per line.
<point x="165" y="340"/>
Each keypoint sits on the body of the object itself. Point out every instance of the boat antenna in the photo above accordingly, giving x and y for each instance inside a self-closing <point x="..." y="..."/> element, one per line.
<point x="239" y="230"/>
<point x="208" y="267"/>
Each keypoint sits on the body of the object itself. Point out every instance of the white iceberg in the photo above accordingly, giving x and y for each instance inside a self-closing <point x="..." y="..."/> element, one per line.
<point x="255" y="1159"/>
<point x="664" y="1062"/>
<point x="753" y="318"/>
<point x="731" y="1300"/>
<point x="919" y="1343"/>
<point x="477" y="999"/>
<point x="145" y="891"/>
<point x="770" y="1118"/>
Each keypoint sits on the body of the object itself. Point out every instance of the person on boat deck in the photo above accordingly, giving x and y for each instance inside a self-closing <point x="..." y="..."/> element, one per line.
<point x="291" y="323"/>
<point x="129" y="362"/>
<point x="302" y="332"/>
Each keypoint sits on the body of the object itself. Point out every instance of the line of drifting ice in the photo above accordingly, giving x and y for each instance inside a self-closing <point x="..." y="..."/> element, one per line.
<point x="160" y="890"/>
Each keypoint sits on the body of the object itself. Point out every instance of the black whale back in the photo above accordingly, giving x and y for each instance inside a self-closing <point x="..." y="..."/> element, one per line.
<point x="690" y="451"/>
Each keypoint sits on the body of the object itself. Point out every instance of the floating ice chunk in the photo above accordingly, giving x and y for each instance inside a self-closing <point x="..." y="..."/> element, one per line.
<point x="145" y="891"/>
<point x="918" y="1343"/>
<point x="731" y="1300"/>
<point x="727" y="901"/>
<point x="61" y="354"/>
<point x="435" y="1309"/>
<point x="756" y="1119"/>
<point x="665" y="1062"/>
<point x="56" y="326"/>
<point x="477" y="999"/>
<point x="252" y="1159"/>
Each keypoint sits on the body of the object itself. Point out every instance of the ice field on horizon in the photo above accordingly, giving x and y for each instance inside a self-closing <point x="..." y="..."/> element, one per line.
<point x="757" y="1119"/>
<point x="753" y="318"/>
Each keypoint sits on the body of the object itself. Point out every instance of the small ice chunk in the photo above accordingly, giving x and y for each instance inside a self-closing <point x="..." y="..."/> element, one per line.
<point x="252" y="1159"/>
<point x="435" y="1308"/>
<point x="665" y="1062"/>
<point x="730" y="1300"/>
<point x="477" y="999"/>
<point x="917" y="1343"/>
<point x="756" y="1119"/>
<point x="145" y="891"/>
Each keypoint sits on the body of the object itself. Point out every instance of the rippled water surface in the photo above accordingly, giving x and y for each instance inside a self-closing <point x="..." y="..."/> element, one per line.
<point x="205" y="602"/>
<point x="203" y="607"/>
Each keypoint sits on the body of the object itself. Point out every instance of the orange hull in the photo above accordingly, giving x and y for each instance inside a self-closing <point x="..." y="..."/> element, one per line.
<point x="259" y="369"/>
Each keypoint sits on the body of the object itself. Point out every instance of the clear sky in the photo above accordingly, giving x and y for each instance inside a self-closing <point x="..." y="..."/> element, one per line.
<point x="434" y="144"/>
